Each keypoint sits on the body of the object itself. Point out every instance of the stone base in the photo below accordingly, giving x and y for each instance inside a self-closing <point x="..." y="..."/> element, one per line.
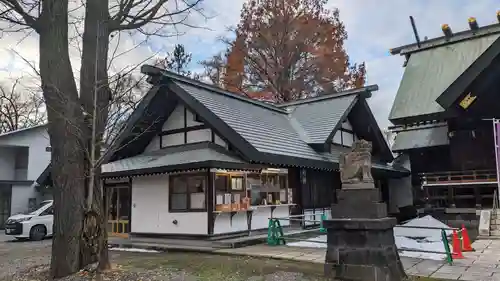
<point x="358" y="185"/>
<point x="362" y="250"/>
<point x="366" y="210"/>
<point x="359" y="203"/>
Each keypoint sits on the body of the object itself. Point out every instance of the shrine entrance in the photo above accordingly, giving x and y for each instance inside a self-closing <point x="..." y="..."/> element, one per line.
<point x="119" y="211"/>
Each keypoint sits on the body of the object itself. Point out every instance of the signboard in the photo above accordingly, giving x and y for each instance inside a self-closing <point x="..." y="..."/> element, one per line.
<point x="467" y="101"/>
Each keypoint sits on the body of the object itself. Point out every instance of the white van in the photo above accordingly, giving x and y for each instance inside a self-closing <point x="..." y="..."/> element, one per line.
<point x="35" y="225"/>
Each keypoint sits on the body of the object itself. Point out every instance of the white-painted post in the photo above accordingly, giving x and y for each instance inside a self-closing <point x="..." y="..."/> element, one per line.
<point x="495" y="142"/>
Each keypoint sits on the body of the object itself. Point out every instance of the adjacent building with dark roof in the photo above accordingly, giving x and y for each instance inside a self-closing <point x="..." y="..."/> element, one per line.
<point x="442" y="115"/>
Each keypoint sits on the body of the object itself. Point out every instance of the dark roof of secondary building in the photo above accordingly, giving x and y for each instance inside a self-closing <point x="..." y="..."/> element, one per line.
<point x="23" y="130"/>
<point x="259" y="132"/>
<point x="438" y="72"/>
<point x="421" y="136"/>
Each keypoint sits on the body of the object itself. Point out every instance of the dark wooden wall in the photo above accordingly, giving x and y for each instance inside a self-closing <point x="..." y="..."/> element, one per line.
<point x="471" y="145"/>
<point x="316" y="191"/>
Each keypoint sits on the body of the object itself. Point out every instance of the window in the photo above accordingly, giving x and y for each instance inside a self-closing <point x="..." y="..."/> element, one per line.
<point x="49" y="211"/>
<point x="268" y="189"/>
<point x="187" y="193"/>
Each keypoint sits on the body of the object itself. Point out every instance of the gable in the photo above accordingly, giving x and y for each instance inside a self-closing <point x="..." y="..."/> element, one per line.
<point x="264" y="128"/>
<point x="364" y="126"/>
<point x="320" y="119"/>
<point x="429" y="73"/>
<point x="257" y="132"/>
<point x="345" y="136"/>
<point x="183" y="127"/>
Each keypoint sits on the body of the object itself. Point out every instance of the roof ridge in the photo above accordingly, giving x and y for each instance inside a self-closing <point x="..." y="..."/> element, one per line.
<point x="368" y="89"/>
<point x="463" y="35"/>
<point x="154" y="71"/>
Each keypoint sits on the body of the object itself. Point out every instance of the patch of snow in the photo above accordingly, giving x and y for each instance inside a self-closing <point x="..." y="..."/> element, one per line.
<point x="428" y="234"/>
<point x="405" y="238"/>
<point x="401" y="242"/>
<point x="136" y="250"/>
<point x="408" y="243"/>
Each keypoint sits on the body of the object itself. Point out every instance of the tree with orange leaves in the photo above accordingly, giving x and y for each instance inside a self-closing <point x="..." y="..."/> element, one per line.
<point x="289" y="49"/>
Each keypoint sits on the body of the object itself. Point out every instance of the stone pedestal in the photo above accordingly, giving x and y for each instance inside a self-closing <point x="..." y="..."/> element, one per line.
<point x="361" y="244"/>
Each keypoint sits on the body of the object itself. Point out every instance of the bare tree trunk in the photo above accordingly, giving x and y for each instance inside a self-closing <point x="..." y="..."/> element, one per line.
<point x="65" y="119"/>
<point x="95" y="97"/>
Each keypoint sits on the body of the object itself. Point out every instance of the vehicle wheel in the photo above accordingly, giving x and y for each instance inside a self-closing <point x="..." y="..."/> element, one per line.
<point x="37" y="232"/>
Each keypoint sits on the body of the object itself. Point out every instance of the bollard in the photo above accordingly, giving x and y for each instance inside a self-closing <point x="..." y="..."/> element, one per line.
<point x="444" y="239"/>
<point x="321" y="228"/>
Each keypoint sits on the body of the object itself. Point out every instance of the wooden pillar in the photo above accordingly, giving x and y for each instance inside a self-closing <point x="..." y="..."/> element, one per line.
<point x="477" y="195"/>
<point x="210" y="199"/>
<point x="451" y="197"/>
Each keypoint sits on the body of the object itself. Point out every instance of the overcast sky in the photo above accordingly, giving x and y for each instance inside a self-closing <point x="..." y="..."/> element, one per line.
<point x="373" y="28"/>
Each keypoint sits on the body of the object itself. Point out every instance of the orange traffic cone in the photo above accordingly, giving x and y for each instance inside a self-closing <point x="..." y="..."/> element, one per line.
<point x="466" y="244"/>
<point x="457" y="247"/>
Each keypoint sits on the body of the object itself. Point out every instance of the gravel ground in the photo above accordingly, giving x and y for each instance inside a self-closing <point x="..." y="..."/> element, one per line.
<point x="130" y="266"/>
<point x="29" y="261"/>
<point x="17" y="256"/>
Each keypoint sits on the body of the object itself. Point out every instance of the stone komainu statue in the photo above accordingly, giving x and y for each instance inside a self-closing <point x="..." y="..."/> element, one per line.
<point x="355" y="166"/>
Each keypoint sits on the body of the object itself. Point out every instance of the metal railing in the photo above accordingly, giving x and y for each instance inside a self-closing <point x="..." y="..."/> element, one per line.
<point x="458" y="177"/>
<point x="277" y="237"/>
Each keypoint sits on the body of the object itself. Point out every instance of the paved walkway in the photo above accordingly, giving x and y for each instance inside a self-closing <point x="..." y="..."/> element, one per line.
<point x="481" y="265"/>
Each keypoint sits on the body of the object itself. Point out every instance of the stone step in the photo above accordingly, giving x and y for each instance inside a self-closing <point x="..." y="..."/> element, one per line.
<point x="494" y="227"/>
<point x="495" y="232"/>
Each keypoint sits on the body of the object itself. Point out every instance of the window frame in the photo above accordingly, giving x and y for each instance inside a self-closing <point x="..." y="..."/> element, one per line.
<point x="188" y="193"/>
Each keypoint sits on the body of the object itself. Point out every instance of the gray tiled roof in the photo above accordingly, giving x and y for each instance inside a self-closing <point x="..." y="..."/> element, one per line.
<point x="430" y="72"/>
<point x="318" y="119"/>
<point x="421" y="137"/>
<point x="168" y="157"/>
<point x="269" y="131"/>
<point x="337" y="151"/>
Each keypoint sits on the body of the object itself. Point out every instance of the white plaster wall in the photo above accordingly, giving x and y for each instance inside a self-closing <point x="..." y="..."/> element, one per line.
<point x="150" y="210"/>
<point x="199" y="136"/>
<point x="401" y="190"/>
<point x="7" y="159"/>
<point x="347" y="125"/>
<point x="220" y="141"/>
<point x="347" y="138"/>
<point x="174" y="139"/>
<point x="20" y="198"/>
<point x="37" y="140"/>
<point x="176" y="121"/>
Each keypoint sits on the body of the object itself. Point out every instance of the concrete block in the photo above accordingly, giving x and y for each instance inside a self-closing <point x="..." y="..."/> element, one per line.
<point x="484" y="223"/>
